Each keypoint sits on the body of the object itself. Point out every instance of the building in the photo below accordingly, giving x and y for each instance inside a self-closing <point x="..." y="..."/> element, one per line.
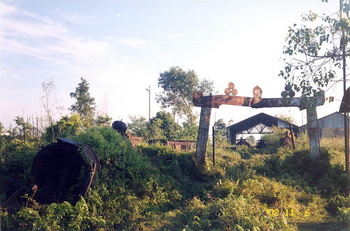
<point x="330" y="126"/>
<point x="258" y="124"/>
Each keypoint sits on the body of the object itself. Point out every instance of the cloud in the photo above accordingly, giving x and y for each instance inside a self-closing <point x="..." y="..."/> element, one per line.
<point x="25" y="33"/>
<point x="7" y="9"/>
<point x="174" y="35"/>
<point x="132" y="42"/>
<point x="76" y="18"/>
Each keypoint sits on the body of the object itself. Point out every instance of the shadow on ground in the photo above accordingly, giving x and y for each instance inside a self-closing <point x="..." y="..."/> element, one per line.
<point x="327" y="226"/>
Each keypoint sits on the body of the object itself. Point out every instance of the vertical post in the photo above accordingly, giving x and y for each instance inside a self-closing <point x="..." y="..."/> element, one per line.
<point x="149" y="103"/>
<point x="346" y="122"/>
<point x="149" y="112"/>
<point x="292" y="135"/>
<point x="312" y="131"/>
<point x="213" y="133"/>
<point x="202" y="139"/>
<point x="346" y="137"/>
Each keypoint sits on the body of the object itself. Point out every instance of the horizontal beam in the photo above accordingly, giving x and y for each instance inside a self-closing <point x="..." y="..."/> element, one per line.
<point x="215" y="101"/>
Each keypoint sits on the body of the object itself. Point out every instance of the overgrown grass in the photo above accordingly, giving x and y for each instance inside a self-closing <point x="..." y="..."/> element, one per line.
<point x="157" y="188"/>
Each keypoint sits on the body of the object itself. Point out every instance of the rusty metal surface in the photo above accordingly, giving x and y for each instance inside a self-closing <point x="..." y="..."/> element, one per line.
<point x="63" y="171"/>
<point x="181" y="145"/>
<point x="215" y="101"/>
<point x="120" y="126"/>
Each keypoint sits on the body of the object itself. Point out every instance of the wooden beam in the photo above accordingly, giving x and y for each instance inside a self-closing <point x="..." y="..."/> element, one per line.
<point x="215" y="101"/>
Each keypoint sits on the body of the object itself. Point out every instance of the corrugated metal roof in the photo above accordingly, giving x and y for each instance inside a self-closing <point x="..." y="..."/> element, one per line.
<point x="261" y="118"/>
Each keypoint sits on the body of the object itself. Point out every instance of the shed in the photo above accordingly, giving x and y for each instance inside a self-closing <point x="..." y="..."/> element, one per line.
<point x="330" y="126"/>
<point x="258" y="124"/>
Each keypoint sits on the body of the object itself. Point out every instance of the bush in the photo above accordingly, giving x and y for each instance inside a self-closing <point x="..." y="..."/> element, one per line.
<point x="153" y="187"/>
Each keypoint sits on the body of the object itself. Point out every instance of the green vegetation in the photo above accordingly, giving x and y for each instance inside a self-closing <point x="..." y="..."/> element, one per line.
<point x="85" y="104"/>
<point x="156" y="188"/>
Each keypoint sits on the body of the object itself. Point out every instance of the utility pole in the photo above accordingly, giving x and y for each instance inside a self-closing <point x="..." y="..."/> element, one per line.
<point x="149" y="103"/>
<point x="346" y="125"/>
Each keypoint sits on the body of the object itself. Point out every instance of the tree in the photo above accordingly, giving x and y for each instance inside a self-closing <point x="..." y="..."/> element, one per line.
<point x="220" y="132"/>
<point x="139" y="126"/>
<point x="23" y="129"/>
<point x="318" y="50"/>
<point x="286" y="118"/>
<point x="1" y="128"/>
<point x="103" y="120"/>
<point x="85" y="104"/>
<point x="178" y="88"/>
<point x="163" y="126"/>
<point x="67" y="126"/>
<point x="190" y="130"/>
<point x="315" y="51"/>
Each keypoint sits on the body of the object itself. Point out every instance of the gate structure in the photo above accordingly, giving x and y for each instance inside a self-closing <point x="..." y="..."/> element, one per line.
<point x="215" y="101"/>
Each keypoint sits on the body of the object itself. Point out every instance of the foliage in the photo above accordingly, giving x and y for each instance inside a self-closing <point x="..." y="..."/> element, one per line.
<point x="163" y="126"/>
<point x="321" y="40"/>
<point x="23" y="130"/>
<point x="103" y="120"/>
<point x="139" y="126"/>
<point x="320" y="175"/>
<point x="220" y="133"/>
<point x="15" y="161"/>
<point x="190" y="130"/>
<point x="286" y="118"/>
<point x="153" y="187"/>
<point x="85" y="104"/>
<point x="273" y="140"/>
<point x="178" y="88"/>
<point x="67" y="126"/>
<point x="63" y="216"/>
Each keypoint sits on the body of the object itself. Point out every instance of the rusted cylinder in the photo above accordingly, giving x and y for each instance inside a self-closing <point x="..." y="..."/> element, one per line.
<point x="64" y="171"/>
<point x="120" y="126"/>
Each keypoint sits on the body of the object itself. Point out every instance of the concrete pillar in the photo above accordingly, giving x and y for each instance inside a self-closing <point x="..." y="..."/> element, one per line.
<point x="202" y="139"/>
<point x="312" y="131"/>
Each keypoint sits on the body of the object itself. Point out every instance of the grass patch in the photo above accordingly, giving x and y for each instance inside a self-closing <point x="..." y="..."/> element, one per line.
<point x="153" y="187"/>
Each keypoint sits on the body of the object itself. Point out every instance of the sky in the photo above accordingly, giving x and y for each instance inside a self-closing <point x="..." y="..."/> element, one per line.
<point x="120" y="48"/>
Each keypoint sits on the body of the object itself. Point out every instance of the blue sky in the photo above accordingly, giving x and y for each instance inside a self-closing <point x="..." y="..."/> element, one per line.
<point x="120" y="47"/>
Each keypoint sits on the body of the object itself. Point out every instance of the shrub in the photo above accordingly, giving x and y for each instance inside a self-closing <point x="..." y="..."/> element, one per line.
<point x="153" y="187"/>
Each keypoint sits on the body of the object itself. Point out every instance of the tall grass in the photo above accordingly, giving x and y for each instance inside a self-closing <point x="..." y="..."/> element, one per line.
<point x="153" y="187"/>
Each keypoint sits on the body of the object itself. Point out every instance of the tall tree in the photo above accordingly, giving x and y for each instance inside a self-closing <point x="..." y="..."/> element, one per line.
<point x="85" y="104"/>
<point x="178" y="88"/>
<point x="313" y="54"/>
<point x="318" y="50"/>
<point x="163" y="126"/>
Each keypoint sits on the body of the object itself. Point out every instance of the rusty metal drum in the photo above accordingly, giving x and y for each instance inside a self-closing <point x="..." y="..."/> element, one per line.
<point x="64" y="171"/>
